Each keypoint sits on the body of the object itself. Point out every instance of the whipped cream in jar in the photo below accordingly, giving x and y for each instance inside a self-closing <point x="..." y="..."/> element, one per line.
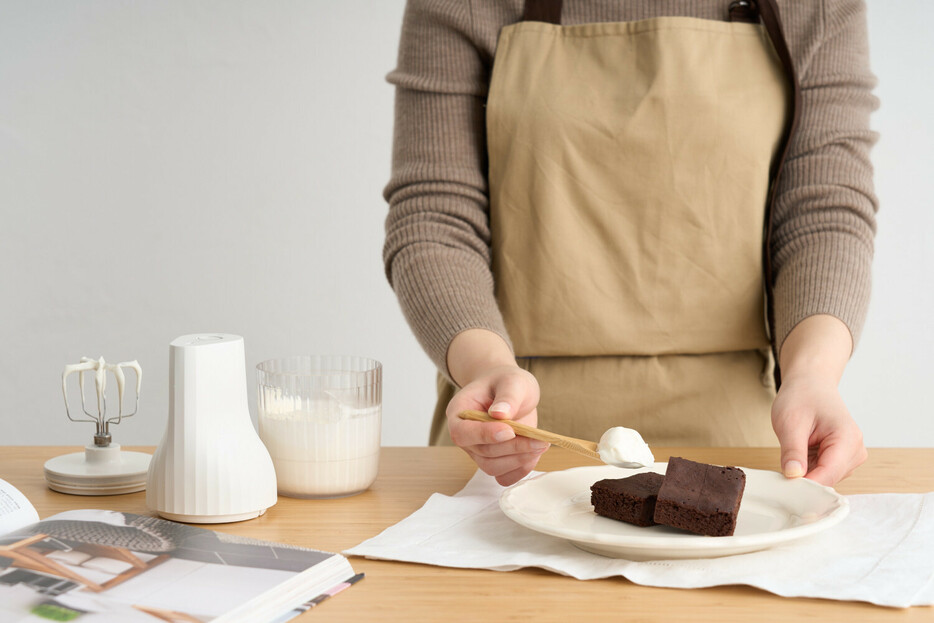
<point x="320" y="418"/>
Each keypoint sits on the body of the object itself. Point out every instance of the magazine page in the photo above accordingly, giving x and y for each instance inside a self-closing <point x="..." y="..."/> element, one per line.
<point x="96" y="566"/>
<point x="15" y="509"/>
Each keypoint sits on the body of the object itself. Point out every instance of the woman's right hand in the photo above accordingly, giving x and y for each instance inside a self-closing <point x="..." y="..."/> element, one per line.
<point x="506" y="392"/>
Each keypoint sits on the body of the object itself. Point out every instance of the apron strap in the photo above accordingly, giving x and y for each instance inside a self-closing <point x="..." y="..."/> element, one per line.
<point x="549" y="11"/>
<point x="747" y="11"/>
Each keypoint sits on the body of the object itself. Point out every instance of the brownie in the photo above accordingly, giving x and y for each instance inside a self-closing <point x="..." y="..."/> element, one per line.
<point x="700" y="498"/>
<point x="629" y="499"/>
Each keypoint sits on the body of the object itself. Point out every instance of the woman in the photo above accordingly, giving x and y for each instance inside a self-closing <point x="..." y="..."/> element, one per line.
<point x="577" y="209"/>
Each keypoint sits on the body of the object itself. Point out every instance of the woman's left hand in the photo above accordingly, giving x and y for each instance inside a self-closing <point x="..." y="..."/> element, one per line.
<point x="819" y="438"/>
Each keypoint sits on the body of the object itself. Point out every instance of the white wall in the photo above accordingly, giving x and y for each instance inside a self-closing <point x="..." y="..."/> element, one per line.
<point x="169" y="167"/>
<point x="175" y="166"/>
<point x="886" y="383"/>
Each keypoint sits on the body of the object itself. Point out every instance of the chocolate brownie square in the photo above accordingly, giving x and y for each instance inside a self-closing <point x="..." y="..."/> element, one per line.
<point x="700" y="498"/>
<point x="629" y="499"/>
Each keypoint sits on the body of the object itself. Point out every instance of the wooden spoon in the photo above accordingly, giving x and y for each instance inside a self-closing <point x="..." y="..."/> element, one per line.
<point x="587" y="448"/>
<point x="581" y="446"/>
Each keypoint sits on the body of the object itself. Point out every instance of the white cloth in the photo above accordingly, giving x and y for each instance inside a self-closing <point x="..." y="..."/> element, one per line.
<point x="882" y="553"/>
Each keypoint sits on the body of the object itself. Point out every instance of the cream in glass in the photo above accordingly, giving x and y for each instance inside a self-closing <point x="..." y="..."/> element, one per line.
<point x="320" y="417"/>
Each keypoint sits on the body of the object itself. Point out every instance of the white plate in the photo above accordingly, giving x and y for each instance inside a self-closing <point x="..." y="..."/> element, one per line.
<point x="774" y="510"/>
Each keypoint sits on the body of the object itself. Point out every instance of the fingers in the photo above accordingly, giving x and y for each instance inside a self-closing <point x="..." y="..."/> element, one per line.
<point x="513" y="395"/>
<point x="793" y="434"/>
<point x="815" y="429"/>
<point x="516" y="475"/>
<point x="501" y="409"/>
<point x="794" y="454"/>
<point x="837" y="458"/>
<point x="826" y="458"/>
<point x="833" y="461"/>
<point x="517" y="445"/>
<point x="467" y="433"/>
<point x="491" y="439"/>
<point x="507" y="469"/>
<point x="496" y="449"/>
<point x="506" y="392"/>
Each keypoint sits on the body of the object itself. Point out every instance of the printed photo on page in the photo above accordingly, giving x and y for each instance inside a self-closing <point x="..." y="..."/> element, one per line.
<point x="94" y="566"/>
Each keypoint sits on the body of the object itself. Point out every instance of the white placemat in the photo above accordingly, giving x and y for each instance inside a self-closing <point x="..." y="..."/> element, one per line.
<point x="882" y="553"/>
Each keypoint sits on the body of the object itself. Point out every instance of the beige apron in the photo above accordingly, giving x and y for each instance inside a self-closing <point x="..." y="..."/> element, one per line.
<point x="629" y="171"/>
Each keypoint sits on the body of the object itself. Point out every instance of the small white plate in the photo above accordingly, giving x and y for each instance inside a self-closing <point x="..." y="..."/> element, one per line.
<point x="774" y="510"/>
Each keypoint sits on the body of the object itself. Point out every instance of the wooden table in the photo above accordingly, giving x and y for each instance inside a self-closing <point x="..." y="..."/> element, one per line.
<point x="395" y="591"/>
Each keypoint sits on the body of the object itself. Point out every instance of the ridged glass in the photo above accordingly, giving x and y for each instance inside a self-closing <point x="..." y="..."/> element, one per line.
<point x="320" y="419"/>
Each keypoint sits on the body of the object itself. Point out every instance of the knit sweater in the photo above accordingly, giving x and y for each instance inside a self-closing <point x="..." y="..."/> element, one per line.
<point x="437" y="250"/>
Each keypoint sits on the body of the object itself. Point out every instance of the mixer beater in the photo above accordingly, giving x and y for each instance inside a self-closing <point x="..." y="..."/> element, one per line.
<point x="103" y="468"/>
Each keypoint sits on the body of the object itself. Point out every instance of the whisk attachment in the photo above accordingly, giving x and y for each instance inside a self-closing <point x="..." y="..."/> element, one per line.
<point x="100" y="368"/>
<point x="103" y="468"/>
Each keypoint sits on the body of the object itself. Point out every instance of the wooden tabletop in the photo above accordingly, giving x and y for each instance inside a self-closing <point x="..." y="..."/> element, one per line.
<point x="395" y="591"/>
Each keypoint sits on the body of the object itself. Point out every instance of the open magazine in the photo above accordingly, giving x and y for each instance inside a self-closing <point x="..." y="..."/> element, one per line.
<point x="96" y="566"/>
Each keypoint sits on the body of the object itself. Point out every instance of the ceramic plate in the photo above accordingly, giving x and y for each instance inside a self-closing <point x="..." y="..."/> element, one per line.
<point x="774" y="510"/>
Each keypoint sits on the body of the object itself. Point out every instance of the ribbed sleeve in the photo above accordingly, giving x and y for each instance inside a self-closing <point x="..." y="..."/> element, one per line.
<point x="824" y="220"/>
<point x="437" y="249"/>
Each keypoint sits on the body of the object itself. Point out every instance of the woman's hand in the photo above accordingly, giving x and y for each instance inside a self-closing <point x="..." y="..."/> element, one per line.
<point x="483" y="364"/>
<point x="819" y="438"/>
<point x="508" y="393"/>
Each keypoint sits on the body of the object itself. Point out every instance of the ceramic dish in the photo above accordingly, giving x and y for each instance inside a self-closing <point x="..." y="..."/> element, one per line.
<point x="774" y="511"/>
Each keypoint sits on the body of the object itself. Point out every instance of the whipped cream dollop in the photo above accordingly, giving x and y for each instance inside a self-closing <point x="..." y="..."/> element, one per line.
<point x="624" y="447"/>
